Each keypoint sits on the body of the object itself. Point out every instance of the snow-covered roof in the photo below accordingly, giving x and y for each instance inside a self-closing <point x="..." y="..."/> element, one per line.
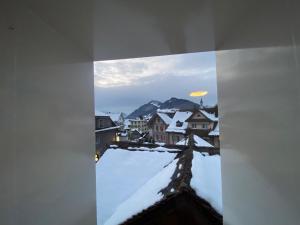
<point x="98" y="113"/>
<point x="106" y="129"/>
<point x="115" y="116"/>
<point x="120" y="174"/>
<point x="199" y="142"/>
<point x="215" y="132"/>
<point x="210" y="116"/>
<point x="181" y="117"/>
<point x="147" y="195"/>
<point x="165" y="118"/>
<point x="206" y="179"/>
<point x="129" y="182"/>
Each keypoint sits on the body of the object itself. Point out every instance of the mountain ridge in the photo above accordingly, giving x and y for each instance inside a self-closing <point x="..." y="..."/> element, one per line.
<point x="151" y="107"/>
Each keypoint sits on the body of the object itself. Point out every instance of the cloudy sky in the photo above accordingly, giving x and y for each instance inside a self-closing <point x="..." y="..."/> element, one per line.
<point x="124" y="85"/>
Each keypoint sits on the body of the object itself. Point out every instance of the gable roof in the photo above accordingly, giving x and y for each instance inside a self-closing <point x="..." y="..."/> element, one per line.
<point x="115" y="117"/>
<point x="113" y="124"/>
<point x="179" y="175"/>
<point x="167" y="120"/>
<point x="180" y="117"/>
<point x="210" y="116"/>
<point x="163" y="116"/>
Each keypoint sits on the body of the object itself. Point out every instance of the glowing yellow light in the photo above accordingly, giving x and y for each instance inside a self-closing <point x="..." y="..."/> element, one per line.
<point x="97" y="157"/>
<point x="198" y="93"/>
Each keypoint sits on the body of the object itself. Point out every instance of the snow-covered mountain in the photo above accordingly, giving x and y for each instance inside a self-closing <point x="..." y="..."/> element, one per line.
<point x="146" y="109"/>
<point x="151" y="107"/>
<point x="178" y="103"/>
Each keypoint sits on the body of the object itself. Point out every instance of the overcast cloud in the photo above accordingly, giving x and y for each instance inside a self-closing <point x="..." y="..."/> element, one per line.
<point x="124" y="85"/>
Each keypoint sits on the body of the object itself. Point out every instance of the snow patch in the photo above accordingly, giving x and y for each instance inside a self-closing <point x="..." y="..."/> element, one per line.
<point x="206" y="179"/>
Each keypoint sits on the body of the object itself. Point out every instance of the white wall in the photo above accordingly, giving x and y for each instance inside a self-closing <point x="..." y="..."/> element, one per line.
<point x="259" y="103"/>
<point x="47" y="142"/>
<point x="46" y="82"/>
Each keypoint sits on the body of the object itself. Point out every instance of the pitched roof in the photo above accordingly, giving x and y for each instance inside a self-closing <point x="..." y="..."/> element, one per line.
<point x="180" y="127"/>
<point x="147" y="195"/>
<point x="107" y="129"/>
<point x="209" y="116"/>
<point x="147" y="179"/>
<point x="121" y="173"/>
<point x="114" y="116"/>
<point x="165" y="118"/>
<point x="199" y="142"/>
<point x="215" y="131"/>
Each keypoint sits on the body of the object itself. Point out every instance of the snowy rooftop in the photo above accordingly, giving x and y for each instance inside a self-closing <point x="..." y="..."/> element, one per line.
<point x="165" y="118"/>
<point x="210" y="116"/>
<point x="121" y="173"/>
<point x="129" y="182"/>
<point x="215" y="132"/>
<point x="107" y="128"/>
<point x="206" y="179"/>
<point x="199" y="142"/>
<point x="181" y="117"/>
<point x="97" y="113"/>
<point x="114" y="116"/>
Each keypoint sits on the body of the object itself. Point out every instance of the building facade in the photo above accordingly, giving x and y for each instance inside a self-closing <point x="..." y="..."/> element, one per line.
<point x="139" y="124"/>
<point x="105" y="133"/>
<point x="157" y="127"/>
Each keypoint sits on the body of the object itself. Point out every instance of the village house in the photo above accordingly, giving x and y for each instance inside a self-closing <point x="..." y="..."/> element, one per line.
<point x="116" y="117"/>
<point x="172" y="126"/>
<point x="139" y="124"/>
<point x="201" y="123"/>
<point x="158" y="125"/>
<point x="105" y="132"/>
<point x="177" y="130"/>
<point x="201" y="120"/>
